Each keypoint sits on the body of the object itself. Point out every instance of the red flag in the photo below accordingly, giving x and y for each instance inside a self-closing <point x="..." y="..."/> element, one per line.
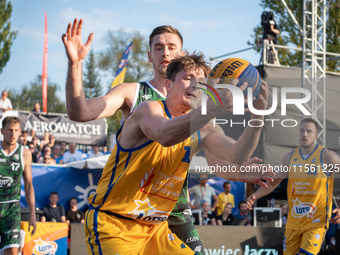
<point x="44" y="72"/>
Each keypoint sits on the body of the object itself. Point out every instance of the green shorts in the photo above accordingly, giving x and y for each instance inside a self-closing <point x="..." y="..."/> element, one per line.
<point x="10" y="219"/>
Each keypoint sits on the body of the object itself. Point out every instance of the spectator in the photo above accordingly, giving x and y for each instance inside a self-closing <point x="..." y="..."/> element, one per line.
<point x="74" y="214"/>
<point x="56" y="154"/>
<point x="226" y="218"/>
<point x="51" y="140"/>
<point x="284" y="209"/>
<point x="203" y="192"/>
<point x="31" y="135"/>
<point x="95" y="152"/>
<point x="207" y="217"/>
<point x="63" y="146"/>
<point x="47" y="159"/>
<point x="53" y="212"/>
<point x="105" y="152"/>
<point x="243" y="213"/>
<point x="72" y="155"/>
<point x="33" y="151"/>
<point x="225" y="198"/>
<point x="47" y="151"/>
<point x="5" y="103"/>
<point x="36" y="107"/>
<point x="36" y="143"/>
<point x="22" y="140"/>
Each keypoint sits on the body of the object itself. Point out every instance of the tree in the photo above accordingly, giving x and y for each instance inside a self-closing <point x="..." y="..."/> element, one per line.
<point x="290" y="34"/>
<point x="138" y="67"/>
<point x="91" y="83"/>
<point x="25" y="97"/>
<point x="6" y="35"/>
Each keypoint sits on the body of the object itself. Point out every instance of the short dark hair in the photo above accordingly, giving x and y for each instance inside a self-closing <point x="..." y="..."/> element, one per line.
<point x="54" y="193"/>
<point x="187" y="62"/>
<point x="226" y="183"/>
<point x="242" y="202"/>
<point x="73" y="198"/>
<point x="10" y="120"/>
<point x="164" y="30"/>
<point x="310" y="120"/>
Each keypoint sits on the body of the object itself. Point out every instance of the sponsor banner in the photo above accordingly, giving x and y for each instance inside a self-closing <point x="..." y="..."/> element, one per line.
<point x="68" y="182"/>
<point x="64" y="129"/>
<point x="49" y="239"/>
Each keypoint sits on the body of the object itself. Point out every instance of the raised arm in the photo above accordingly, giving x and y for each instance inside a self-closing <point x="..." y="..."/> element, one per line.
<point x="29" y="190"/>
<point x="78" y="108"/>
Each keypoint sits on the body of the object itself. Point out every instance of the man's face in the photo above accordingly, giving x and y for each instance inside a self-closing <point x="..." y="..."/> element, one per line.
<point x="11" y="133"/>
<point x="47" y="151"/>
<point x="4" y="95"/>
<point x="31" y="147"/>
<point x="203" y="179"/>
<point x="56" y="149"/>
<point x="73" y="203"/>
<point x="185" y="90"/>
<point x="227" y="188"/>
<point x="63" y="146"/>
<point x="164" y="47"/>
<point x="307" y="134"/>
<point x="283" y="210"/>
<point x="72" y="147"/>
<point x="95" y="149"/>
<point x="205" y="206"/>
<point x="54" y="199"/>
<point x="37" y="107"/>
<point x="243" y="208"/>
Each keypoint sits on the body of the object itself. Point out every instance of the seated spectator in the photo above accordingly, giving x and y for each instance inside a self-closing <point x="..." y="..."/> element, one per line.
<point x="225" y="198"/>
<point x="56" y="154"/>
<point x="105" y="151"/>
<point x="36" y="142"/>
<point x="33" y="151"/>
<point x="72" y="155"/>
<point x="47" y="159"/>
<point x="53" y="212"/>
<point x="25" y="135"/>
<point x="31" y="134"/>
<point x="46" y="139"/>
<point x="47" y="151"/>
<point x="5" y="103"/>
<point x="51" y="140"/>
<point x="207" y="217"/>
<point x="203" y="192"/>
<point x="284" y="209"/>
<point x="36" y="107"/>
<point x="226" y="218"/>
<point x="74" y="214"/>
<point x="243" y="213"/>
<point x="95" y="152"/>
<point x="22" y="140"/>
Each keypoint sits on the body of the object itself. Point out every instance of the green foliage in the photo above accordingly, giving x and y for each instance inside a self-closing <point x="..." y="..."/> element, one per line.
<point x="6" y="35"/>
<point x="138" y="67"/>
<point x="25" y="97"/>
<point x="113" y="122"/>
<point x="290" y="34"/>
<point x="91" y="82"/>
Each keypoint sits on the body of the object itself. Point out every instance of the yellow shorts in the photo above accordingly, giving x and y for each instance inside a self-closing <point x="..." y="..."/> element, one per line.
<point x="109" y="235"/>
<point x="307" y="241"/>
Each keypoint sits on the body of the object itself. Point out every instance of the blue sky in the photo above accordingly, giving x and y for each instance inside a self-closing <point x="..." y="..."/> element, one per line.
<point x="214" y="27"/>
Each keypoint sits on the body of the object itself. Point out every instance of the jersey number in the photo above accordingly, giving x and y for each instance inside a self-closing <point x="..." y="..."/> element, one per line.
<point x="15" y="166"/>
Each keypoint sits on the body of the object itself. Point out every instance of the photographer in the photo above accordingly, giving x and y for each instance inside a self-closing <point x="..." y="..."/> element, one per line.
<point x="271" y="30"/>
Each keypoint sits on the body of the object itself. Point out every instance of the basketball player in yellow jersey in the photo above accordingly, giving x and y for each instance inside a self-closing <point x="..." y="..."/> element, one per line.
<point x="144" y="175"/>
<point x="310" y="170"/>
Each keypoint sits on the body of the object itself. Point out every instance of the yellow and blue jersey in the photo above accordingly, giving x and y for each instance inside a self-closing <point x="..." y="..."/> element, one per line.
<point x="309" y="190"/>
<point x="144" y="183"/>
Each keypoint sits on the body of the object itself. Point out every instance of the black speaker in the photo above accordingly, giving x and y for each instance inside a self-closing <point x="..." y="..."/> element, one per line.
<point x="25" y="214"/>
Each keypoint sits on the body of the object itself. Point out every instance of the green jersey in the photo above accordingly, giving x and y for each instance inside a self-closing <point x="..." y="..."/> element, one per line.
<point x="11" y="168"/>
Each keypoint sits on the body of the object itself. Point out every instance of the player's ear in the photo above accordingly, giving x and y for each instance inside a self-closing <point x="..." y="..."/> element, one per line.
<point x="149" y="57"/>
<point x="168" y="83"/>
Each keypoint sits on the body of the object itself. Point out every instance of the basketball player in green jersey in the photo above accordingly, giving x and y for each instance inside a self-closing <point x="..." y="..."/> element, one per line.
<point x="15" y="161"/>
<point x="165" y="44"/>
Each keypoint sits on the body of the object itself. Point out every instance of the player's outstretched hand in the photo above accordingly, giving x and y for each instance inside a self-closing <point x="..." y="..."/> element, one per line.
<point x="32" y="223"/>
<point x="250" y="201"/>
<point x="336" y="218"/>
<point x="75" y="49"/>
<point x="253" y="172"/>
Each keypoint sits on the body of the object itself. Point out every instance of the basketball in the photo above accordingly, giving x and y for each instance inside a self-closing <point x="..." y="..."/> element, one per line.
<point x="231" y="68"/>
